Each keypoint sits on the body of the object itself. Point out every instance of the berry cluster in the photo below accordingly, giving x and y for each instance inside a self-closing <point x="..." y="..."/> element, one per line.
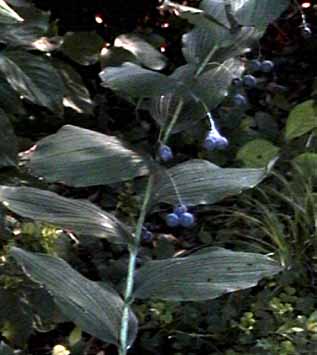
<point x="248" y="80"/>
<point x="180" y="217"/>
<point x="214" y="140"/>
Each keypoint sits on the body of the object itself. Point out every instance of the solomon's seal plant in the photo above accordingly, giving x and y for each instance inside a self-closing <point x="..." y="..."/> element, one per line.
<point x="82" y="158"/>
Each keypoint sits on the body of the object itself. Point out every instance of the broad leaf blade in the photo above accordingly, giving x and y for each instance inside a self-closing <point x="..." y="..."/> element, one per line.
<point x="257" y="153"/>
<point x="8" y="15"/>
<point x="203" y="276"/>
<point x="142" y="50"/>
<point x="212" y="85"/>
<point x="8" y="143"/>
<point x="301" y="120"/>
<point x="81" y="157"/>
<point x="76" y="96"/>
<point x="34" y="26"/>
<point x="198" y="182"/>
<point x="135" y="81"/>
<point x="195" y="16"/>
<point x="82" y="47"/>
<point x="247" y="12"/>
<point x="96" y="310"/>
<point x="34" y="78"/>
<point x="81" y="217"/>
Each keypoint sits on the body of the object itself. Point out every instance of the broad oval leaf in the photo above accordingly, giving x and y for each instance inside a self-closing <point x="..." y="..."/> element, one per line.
<point x="212" y="85"/>
<point x="258" y="13"/>
<point x="135" y="81"/>
<point x="204" y="276"/>
<point x="301" y="120"/>
<point x="199" y="182"/>
<point x="199" y="43"/>
<point x="195" y="16"/>
<point x="307" y="162"/>
<point x="82" y="47"/>
<point x="8" y="15"/>
<point x="10" y="101"/>
<point x="257" y="153"/>
<point x="76" y="96"/>
<point x="81" y="157"/>
<point x="142" y="50"/>
<point x="8" y="143"/>
<point x="247" y="12"/>
<point x="96" y="310"/>
<point x="34" y="26"/>
<point x="81" y="217"/>
<point x="33" y="77"/>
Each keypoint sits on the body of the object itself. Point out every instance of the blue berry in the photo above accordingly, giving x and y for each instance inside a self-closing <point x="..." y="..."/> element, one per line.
<point x="172" y="220"/>
<point x="239" y="100"/>
<point x="249" y="81"/>
<point x="236" y="82"/>
<point x="210" y="142"/>
<point x="187" y="220"/>
<point x="267" y="66"/>
<point x="306" y="32"/>
<point x="147" y="236"/>
<point x="165" y="153"/>
<point x="179" y="210"/>
<point x="222" y="143"/>
<point x="254" y="65"/>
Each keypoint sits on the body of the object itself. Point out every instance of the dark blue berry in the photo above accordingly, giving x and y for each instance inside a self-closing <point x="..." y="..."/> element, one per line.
<point x="254" y="65"/>
<point x="172" y="220"/>
<point x="239" y="100"/>
<point x="147" y="236"/>
<point x="237" y="82"/>
<point x="210" y="142"/>
<point x="306" y="32"/>
<point x="222" y="143"/>
<point x="179" y="210"/>
<point x="267" y="66"/>
<point x="249" y="81"/>
<point x="165" y="153"/>
<point x="187" y="220"/>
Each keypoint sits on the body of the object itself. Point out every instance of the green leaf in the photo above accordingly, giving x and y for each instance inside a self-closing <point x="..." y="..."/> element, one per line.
<point x="81" y="157"/>
<point x="8" y="143"/>
<point x="96" y="310"/>
<point x="76" y="96"/>
<point x="301" y="120"/>
<point x="258" y="13"/>
<point x="116" y="56"/>
<point x="81" y="217"/>
<point x="199" y="42"/>
<point x="199" y="182"/>
<point x="247" y="12"/>
<point x="8" y="15"/>
<point x="308" y="163"/>
<point x="34" y="26"/>
<point x="257" y="153"/>
<point x="146" y="54"/>
<point x="82" y="47"/>
<point x="5" y="349"/>
<point x="202" y="276"/>
<point x="34" y="78"/>
<point x="9" y="99"/>
<point x="135" y="81"/>
<point x="212" y="85"/>
<point x="195" y="16"/>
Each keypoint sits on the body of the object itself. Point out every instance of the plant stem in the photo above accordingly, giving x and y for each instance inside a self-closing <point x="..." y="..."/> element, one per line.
<point x="131" y="270"/>
<point x="173" y="120"/>
<point x="205" y="62"/>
